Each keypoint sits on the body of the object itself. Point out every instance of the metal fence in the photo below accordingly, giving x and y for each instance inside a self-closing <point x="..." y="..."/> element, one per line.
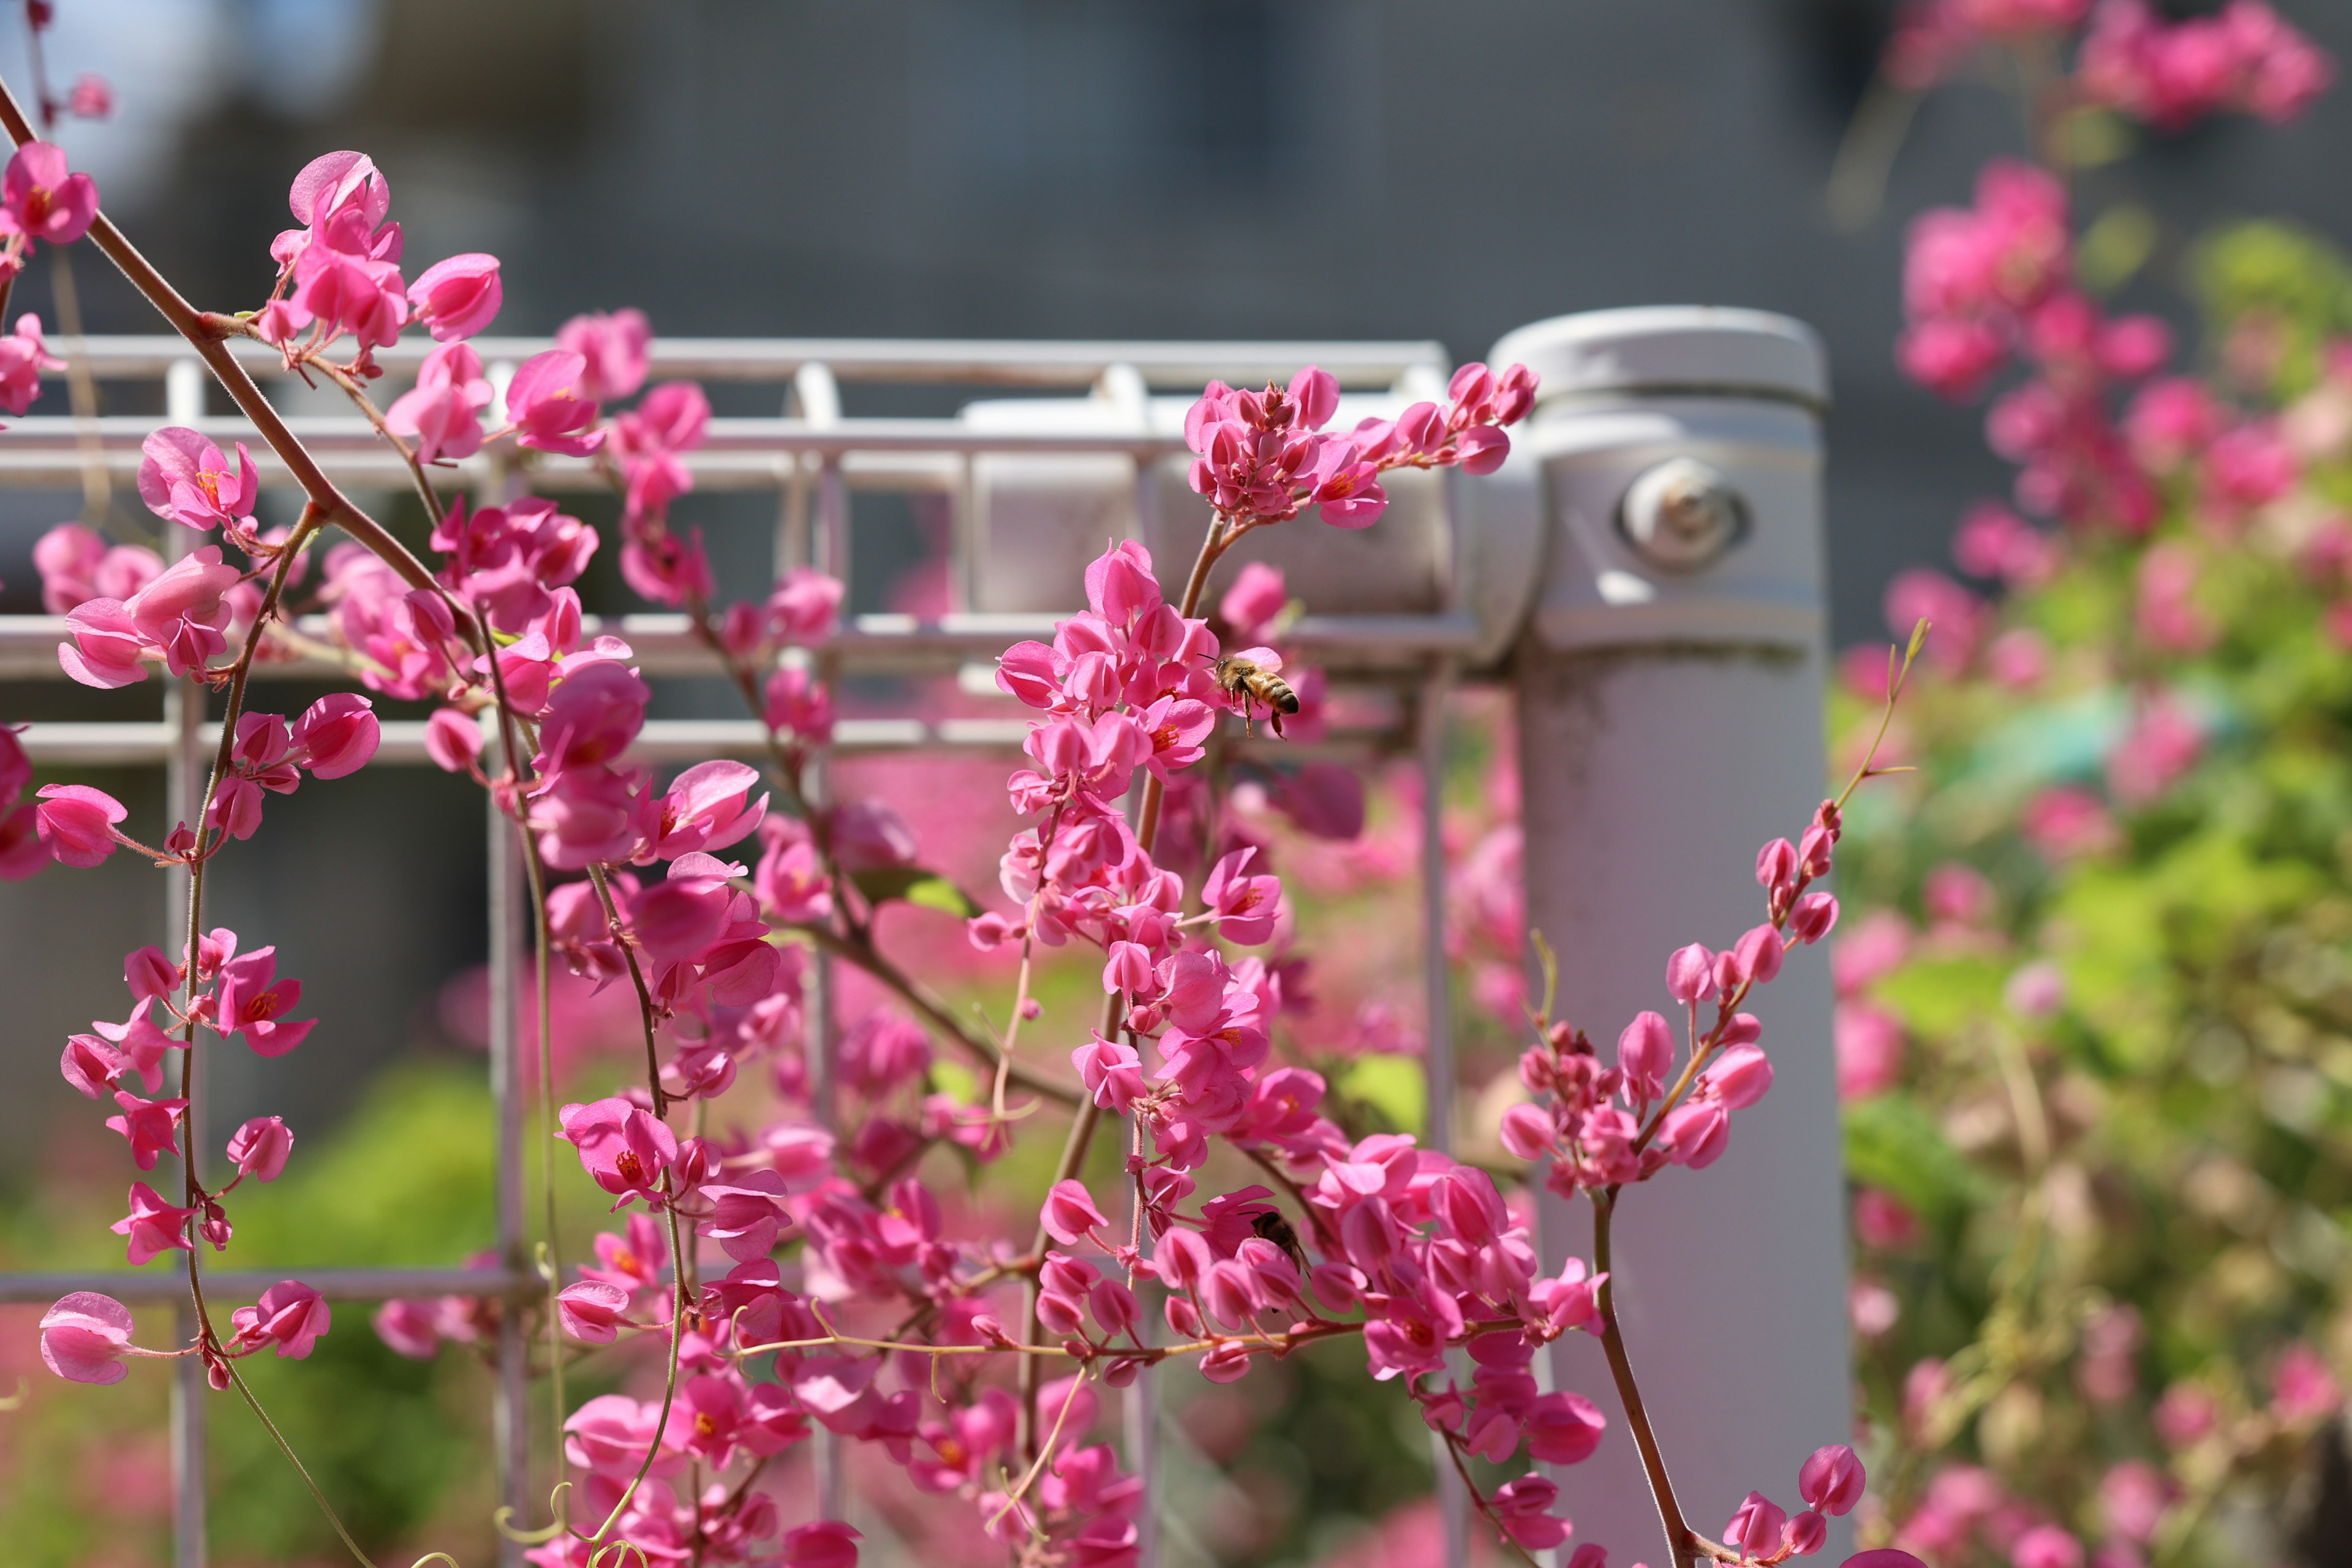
<point x="814" y="460"/>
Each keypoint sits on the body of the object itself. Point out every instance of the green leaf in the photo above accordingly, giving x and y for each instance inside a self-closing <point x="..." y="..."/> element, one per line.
<point x="917" y="885"/>
<point x="1892" y="1142"/>
<point x="1390" y="1085"/>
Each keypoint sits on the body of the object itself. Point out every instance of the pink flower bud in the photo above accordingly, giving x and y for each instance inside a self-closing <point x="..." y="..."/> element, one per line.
<point x="1759" y="953"/>
<point x="828" y="1544"/>
<point x="1481" y="448"/>
<point x="1335" y="1286"/>
<point x="1740" y="1076"/>
<point x="1690" y="974"/>
<point x="1183" y="1258"/>
<point x="1813" y="854"/>
<point x="1527" y="1131"/>
<point x="1756" y="1528"/>
<point x="1776" y="867"/>
<point x="1813" y="917"/>
<point x="1645" y="1053"/>
<point x="1697" y="1132"/>
<point x="1805" y="1534"/>
<point x="1070" y="1212"/>
<point x="1563" y="1428"/>
<point x="76" y="823"/>
<point x="457" y="298"/>
<point x="592" y="1311"/>
<point x="259" y="1148"/>
<point x="453" y="739"/>
<point x="149" y="973"/>
<point x="337" y="735"/>
<point x="1832" y="1480"/>
<point x="83" y="1337"/>
<point x="1114" y="1306"/>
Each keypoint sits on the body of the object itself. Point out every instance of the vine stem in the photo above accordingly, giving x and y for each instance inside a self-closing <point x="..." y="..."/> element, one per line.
<point x="1629" y="1391"/>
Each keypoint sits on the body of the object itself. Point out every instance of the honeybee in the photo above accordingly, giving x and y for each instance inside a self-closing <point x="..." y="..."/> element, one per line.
<point x="1271" y="1227"/>
<point x="1251" y="681"/>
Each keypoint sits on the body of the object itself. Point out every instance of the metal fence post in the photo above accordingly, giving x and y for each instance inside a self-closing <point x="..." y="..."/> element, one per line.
<point x="1670" y="690"/>
<point x="184" y="787"/>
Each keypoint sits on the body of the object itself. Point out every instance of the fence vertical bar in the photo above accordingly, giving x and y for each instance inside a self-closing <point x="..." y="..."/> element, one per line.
<point x="819" y="400"/>
<point x="184" y="783"/>
<point x="511" y="1411"/>
<point x="1140" y="1410"/>
<point x="1437" y="1046"/>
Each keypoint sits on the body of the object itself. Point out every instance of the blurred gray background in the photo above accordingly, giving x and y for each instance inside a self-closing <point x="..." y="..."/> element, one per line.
<point x="1008" y="168"/>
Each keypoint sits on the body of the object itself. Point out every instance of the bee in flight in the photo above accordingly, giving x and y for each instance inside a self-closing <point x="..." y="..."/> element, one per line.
<point x="1271" y="1227"/>
<point x="1255" y="679"/>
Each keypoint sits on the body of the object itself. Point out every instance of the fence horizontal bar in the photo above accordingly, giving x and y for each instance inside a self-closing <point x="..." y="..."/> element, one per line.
<point x="153" y="1284"/>
<point x="984" y="363"/>
<point x="664" y="643"/>
<point x="147" y="742"/>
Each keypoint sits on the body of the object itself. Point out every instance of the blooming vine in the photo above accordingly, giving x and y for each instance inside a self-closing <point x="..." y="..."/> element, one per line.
<point x="797" y="1275"/>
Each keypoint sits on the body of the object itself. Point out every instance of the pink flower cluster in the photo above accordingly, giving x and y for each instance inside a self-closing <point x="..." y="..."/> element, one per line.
<point x="1262" y="455"/>
<point x="1984" y="284"/>
<point x="1607" y="1126"/>
<point x="1933" y="37"/>
<point x="2171" y="73"/>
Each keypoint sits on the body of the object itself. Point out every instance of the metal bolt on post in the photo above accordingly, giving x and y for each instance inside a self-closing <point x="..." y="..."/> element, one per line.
<point x="1670" y="688"/>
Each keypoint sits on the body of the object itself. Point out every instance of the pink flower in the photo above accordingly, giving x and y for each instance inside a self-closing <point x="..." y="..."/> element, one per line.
<point x="77" y="823"/>
<point x="41" y="199"/>
<point x="151" y="1126"/>
<point x="828" y="1543"/>
<point x="180" y="612"/>
<point x="2163" y="744"/>
<point x="2064" y="823"/>
<point x="804" y="607"/>
<point x="259" y="1148"/>
<point x="1869" y="1050"/>
<point x="83" y="1338"/>
<point x="153" y="1226"/>
<point x="1756" y="1528"/>
<point x="23" y="357"/>
<point x="453" y="739"/>
<point x="1563" y="1428"/>
<point x="746" y="1214"/>
<point x="547" y="408"/>
<point x="457" y="298"/>
<point x="592" y="1310"/>
<point x="626" y="1152"/>
<point x="251" y="1000"/>
<point x="2303" y="1389"/>
<point x="91" y="98"/>
<point x="614" y="351"/>
<point x="183" y="477"/>
<point x="1070" y="1213"/>
<point x="1645" y="1052"/>
<point x="1832" y="1480"/>
<point x="1523" y="1507"/>
<point x="709" y="807"/>
<point x="289" y="1313"/>
<point x="2046" y="1546"/>
<point x="411" y="1329"/>
<point x="1246" y="907"/>
<point x="336" y="736"/>
<point x="442" y="414"/>
<point x="1690" y="974"/>
<point x="1257" y="595"/>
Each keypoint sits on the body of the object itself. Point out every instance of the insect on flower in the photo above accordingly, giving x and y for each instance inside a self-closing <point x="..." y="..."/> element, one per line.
<point x="1257" y="679"/>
